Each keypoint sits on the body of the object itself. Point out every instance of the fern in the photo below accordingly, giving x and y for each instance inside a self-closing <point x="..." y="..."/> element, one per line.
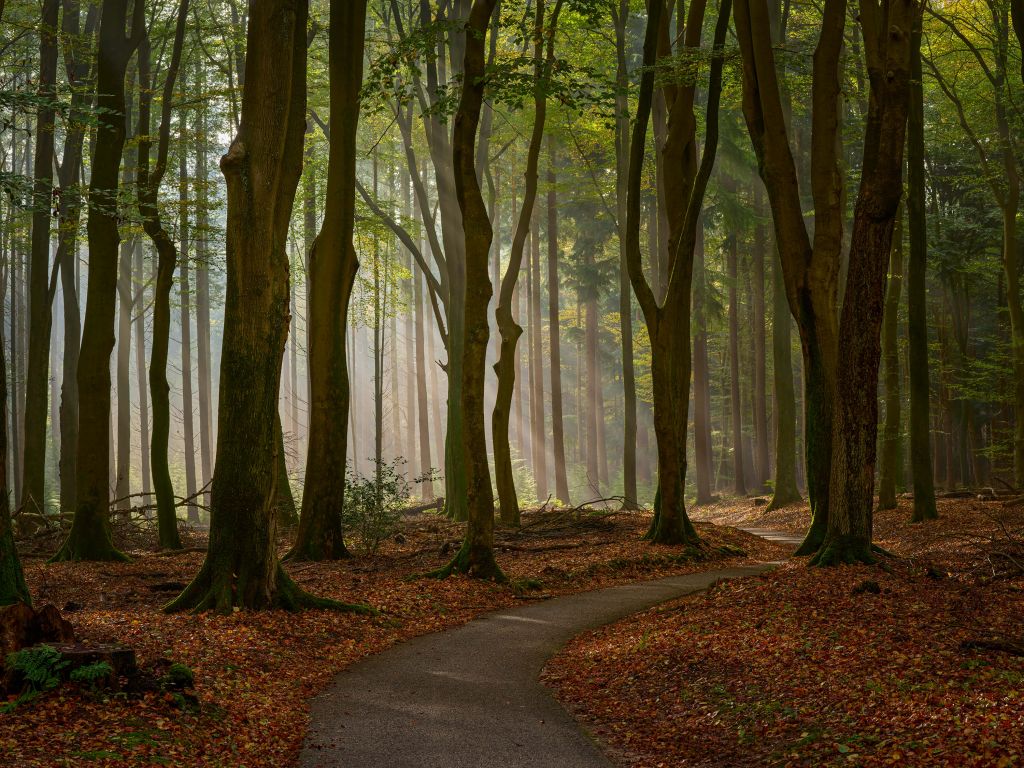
<point x="91" y="674"/>
<point x="40" y="667"/>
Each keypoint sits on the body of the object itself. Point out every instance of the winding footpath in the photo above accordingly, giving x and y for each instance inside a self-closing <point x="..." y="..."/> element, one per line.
<point x="471" y="697"/>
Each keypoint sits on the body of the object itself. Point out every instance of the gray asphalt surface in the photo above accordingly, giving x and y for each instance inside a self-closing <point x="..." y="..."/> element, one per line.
<point x="470" y="697"/>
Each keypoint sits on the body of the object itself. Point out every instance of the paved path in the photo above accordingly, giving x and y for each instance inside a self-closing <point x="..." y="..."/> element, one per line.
<point x="779" y="537"/>
<point x="470" y="697"/>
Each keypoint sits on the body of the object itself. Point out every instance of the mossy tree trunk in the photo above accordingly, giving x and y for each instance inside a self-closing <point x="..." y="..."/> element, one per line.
<point x="262" y="169"/>
<point x="332" y="271"/>
<point x="90" y="538"/>
<point x="167" y="257"/>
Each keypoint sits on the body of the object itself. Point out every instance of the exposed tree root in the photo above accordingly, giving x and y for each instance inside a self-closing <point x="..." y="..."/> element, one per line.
<point x="779" y="501"/>
<point x="843" y="550"/>
<point x="73" y="551"/>
<point x="475" y="561"/>
<point x="221" y="595"/>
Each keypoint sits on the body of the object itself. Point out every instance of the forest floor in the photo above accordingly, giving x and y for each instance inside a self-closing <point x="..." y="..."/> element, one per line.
<point x="255" y="672"/>
<point x="918" y="660"/>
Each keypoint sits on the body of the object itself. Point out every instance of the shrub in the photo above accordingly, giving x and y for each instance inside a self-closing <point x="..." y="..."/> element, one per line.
<point x="373" y="506"/>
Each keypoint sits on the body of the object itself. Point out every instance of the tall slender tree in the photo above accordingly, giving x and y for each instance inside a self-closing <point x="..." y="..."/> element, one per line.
<point x="167" y="258"/>
<point x="89" y="538"/>
<point x="917" y="299"/>
<point x="668" y="319"/>
<point x="41" y="284"/>
<point x="332" y="271"/>
<point x="476" y="556"/>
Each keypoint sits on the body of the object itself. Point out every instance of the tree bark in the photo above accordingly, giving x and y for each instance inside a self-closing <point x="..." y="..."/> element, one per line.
<point x="89" y="538"/>
<point x="332" y="271"/>
<point x="810" y="267"/>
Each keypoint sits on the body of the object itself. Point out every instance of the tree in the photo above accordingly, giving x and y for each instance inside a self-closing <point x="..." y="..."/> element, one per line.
<point x="886" y="27"/>
<point x="917" y="310"/>
<point x="41" y="284"/>
<point x="476" y="556"/>
<point x="891" y="442"/>
<point x="332" y="271"/>
<point x="167" y="257"/>
<point x="89" y="538"/>
<point x="668" y="320"/>
<point x="508" y="328"/>
<point x="79" y="70"/>
<point x="261" y="169"/>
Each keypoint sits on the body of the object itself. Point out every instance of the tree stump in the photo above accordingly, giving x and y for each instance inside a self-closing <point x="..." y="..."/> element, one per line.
<point x="21" y="626"/>
<point x="120" y="658"/>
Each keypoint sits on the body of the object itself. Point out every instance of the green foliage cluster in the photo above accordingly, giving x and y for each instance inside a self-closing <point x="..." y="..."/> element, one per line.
<point x="373" y="505"/>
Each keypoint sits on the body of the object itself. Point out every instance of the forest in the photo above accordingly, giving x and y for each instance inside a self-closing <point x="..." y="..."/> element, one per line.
<point x="511" y="382"/>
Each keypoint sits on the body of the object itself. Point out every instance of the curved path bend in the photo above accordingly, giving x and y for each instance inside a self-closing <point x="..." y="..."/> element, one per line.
<point x="471" y="697"/>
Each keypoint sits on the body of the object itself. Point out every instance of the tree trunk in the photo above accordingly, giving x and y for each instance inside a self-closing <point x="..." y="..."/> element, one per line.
<point x="262" y="169"/>
<point x="422" y="406"/>
<point x="12" y="583"/>
<point x="786" y="490"/>
<point x="139" y="300"/>
<point x="735" y="404"/>
<point x="761" y="454"/>
<point x="33" y="497"/>
<point x="67" y="242"/>
<point x="476" y="556"/>
<point x="539" y="430"/>
<point x="855" y="413"/>
<point x="126" y="304"/>
<point x="332" y="271"/>
<point x="187" y="403"/>
<point x="917" y="310"/>
<point x="701" y="379"/>
<point x="620" y="14"/>
<point x="203" y="346"/>
<point x="889" y="470"/>
<point x="668" y="321"/>
<point x="554" y="329"/>
<point x="89" y="538"/>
